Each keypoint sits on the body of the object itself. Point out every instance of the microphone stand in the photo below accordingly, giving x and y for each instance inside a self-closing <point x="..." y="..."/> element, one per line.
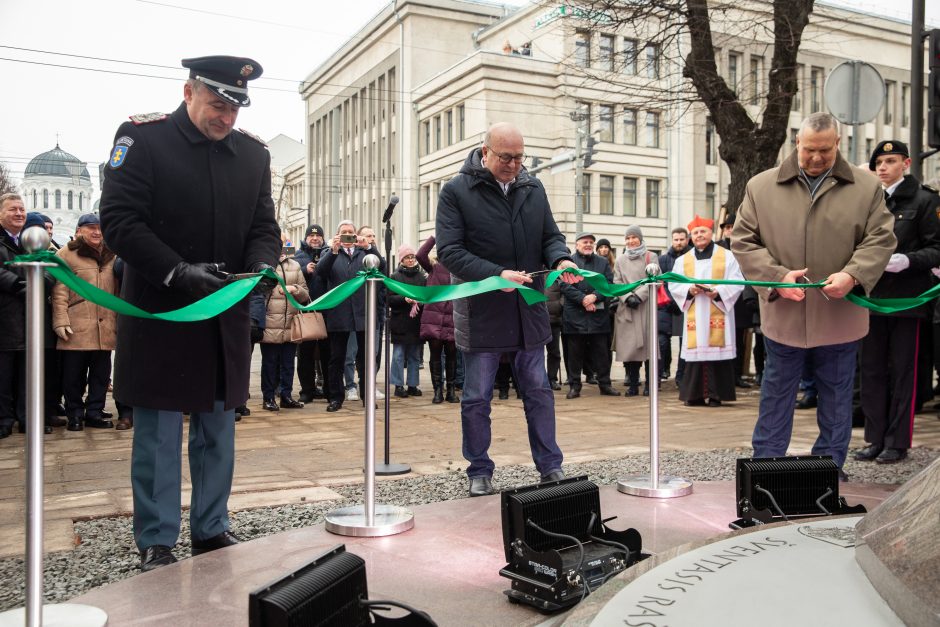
<point x="388" y="468"/>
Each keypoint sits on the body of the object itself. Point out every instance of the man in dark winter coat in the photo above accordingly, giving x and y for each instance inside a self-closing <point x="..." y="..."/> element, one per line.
<point x="313" y="352"/>
<point x="493" y="219"/>
<point x="183" y="196"/>
<point x="669" y="316"/>
<point x="13" y="316"/>
<point x="889" y="353"/>
<point x="585" y="321"/>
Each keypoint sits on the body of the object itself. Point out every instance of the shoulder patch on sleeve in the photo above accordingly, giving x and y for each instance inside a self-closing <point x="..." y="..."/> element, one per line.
<point x="252" y="136"/>
<point x="147" y="118"/>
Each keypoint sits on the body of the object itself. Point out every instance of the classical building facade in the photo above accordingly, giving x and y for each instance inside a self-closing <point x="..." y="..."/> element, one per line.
<point x="58" y="185"/>
<point x="400" y="105"/>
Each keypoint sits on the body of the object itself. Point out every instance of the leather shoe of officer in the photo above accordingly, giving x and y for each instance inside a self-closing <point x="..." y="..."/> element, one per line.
<point x="220" y="541"/>
<point x="481" y="486"/>
<point x="288" y="403"/>
<point x="606" y="390"/>
<point x="97" y="422"/>
<point x="741" y="383"/>
<point x="334" y="406"/>
<point x="891" y="456"/>
<point x="869" y="453"/>
<point x="806" y="402"/>
<point x="155" y="556"/>
<point x="555" y="475"/>
<point x="555" y="385"/>
<point x="574" y="392"/>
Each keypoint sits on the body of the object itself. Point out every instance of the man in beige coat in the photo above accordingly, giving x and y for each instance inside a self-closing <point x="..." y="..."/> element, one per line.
<point x="86" y="331"/>
<point x="814" y="218"/>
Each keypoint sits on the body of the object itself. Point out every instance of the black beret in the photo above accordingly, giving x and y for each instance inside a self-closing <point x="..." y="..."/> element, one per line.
<point x="888" y="147"/>
<point x="227" y="77"/>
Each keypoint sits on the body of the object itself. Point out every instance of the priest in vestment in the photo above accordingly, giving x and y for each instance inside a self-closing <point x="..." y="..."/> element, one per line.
<point x="708" y="318"/>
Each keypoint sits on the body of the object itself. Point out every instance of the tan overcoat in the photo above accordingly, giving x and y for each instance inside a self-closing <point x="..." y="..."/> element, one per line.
<point x="779" y="228"/>
<point x="631" y="326"/>
<point x="93" y="326"/>
<point x="279" y="311"/>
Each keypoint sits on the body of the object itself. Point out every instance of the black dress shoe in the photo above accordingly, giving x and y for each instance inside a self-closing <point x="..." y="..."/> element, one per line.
<point x="555" y="475"/>
<point x="55" y="421"/>
<point x="714" y="402"/>
<point x="481" y="486"/>
<point x="98" y="422"/>
<point x="334" y="406"/>
<point x="305" y="397"/>
<point x="318" y="393"/>
<point x="869" y="453"/>
<point x="555" y="385"/>
<point x="106" y="414"/>
<point x="606" y="390"/>
<point x="504" y="395"/>
<point x="632" y="390"/>
<point x="699" y="402"/>
<point x="220" y="541"/>
<point x="592" y="380"/>
<point x="414" y="391"/>
<point x="75" y="424"/>
<point x="400" y="392"/>
<point x="243" y="410"/>
<point x="573" y="393"/>
<point x="806" y="402"/>
<point x="270" y="405"/>
<point x="155" y="556"/>
<point x="891" y="456"/>
<point x="288" y="403"/>
<point x="741" y="383"/>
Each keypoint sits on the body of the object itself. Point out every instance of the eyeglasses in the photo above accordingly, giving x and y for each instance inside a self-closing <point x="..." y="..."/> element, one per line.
<point x="505" y="157"/>
<point x="407" y="257"/>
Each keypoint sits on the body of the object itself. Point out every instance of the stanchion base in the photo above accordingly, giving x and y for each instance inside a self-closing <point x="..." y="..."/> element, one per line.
<point x="668" y="487"/>
<point x="386" y="470"/>
<point x="59" y="615"/>
<point x="387" y="521"/>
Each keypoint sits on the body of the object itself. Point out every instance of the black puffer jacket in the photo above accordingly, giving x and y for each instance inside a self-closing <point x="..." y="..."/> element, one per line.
<point x="402" y="328"/>
<point x="481" y="232"/>
<point x="12" y="296"/>
<point x="576" y="319"/>
<point x="918" y="232"/>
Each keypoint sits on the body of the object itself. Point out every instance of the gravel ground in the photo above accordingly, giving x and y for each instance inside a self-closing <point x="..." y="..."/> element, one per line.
<point x="106" y="552"/>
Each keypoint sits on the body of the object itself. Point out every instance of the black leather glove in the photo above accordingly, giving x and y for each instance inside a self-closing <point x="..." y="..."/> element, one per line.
<point x="197" y="279"/>
<point x="633" y="301"/>
<point x="256" y="334"/>
<point x="266" y="284"/>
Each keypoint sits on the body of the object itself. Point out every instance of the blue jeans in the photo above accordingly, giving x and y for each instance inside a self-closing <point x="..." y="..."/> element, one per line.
<point x="405" y="355"/>
<point x="538" y="402"/>
<point x="277" y="370"/>
<point x="834" y="373"/>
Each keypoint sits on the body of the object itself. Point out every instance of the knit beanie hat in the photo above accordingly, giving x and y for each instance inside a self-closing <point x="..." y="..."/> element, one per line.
<point x="404" y="250"/>
<point x="634" y="230"/>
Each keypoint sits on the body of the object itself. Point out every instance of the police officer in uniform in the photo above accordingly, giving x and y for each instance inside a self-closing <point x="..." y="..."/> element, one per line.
<point x="185" y="200"/>
<point x="889" y="353"/>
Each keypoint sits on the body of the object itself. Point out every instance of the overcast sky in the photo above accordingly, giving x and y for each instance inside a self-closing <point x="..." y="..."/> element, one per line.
<point x="135" y="48"/>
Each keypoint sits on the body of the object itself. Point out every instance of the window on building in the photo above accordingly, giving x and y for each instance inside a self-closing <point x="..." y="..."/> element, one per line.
<point x="851" y="146"/>
<point x="45" y="199"/>
<point x="69" y="200"/>
<point x="461" y="122"/>
<point x="710" y="199"/>
<point x="437" y="133"/>
<point x="81" y="200"/>
<point x="606" y="190"/>
<point x="582" y="49"/>
<point x="652" y="129"/>
<point x="868" y="146"/>
<point x="629" y="196"/>
<point x="605" y="52"/>
<point x="426" y="201"/>
<point x="629" y="126"/>
<point x="605" y="123"/>
<point x="435" y="194"/>
<point x="797" y="104"/>
<point x="586" y="193"/>
<point x="426" y="144"/>
<point x="58" y="199"/>
<point x="905" y="106"/>
<point x="756" y="74"/>
<point x="629" y="56"/>
<point x="734" y="66"/>
<point x="35" y="201"/>
<point x="652" y="198"/>
<point x="815" y="89"/>
<point x="448" y="136"/>
<point x="793" y="133"/>
<point x="711" y="142"/>
<point x="890" y="88"/>
<point x="652" y="60"/>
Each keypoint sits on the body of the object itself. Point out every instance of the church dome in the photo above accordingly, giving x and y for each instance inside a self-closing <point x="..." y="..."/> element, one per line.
<point x="57" y="162"/>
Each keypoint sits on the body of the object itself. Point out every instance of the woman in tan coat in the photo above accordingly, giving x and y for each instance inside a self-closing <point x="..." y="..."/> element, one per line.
<point x="277" y="351"/>
<point x="86" y="331"/>
<point x="631" y="320"/>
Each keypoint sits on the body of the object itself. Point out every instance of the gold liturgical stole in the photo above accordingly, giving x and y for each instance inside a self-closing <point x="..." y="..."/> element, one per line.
<point x="716" y="319"/>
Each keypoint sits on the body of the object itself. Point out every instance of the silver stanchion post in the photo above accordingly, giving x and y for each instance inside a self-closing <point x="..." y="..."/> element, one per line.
<point x="35" y="239"/>
<point x="369" y="519"/>
<point x="654" y="485"/>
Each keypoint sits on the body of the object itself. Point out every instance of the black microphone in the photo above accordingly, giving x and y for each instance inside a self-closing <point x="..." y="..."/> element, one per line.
<point x="390" y="209"/>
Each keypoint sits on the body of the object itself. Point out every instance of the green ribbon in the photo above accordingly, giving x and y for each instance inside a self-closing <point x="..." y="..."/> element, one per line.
<point x="221" y="300"/>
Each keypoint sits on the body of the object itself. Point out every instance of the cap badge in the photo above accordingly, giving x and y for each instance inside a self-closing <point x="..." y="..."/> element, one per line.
<point x="247" y="70"/>
<point x="888" y="147"/>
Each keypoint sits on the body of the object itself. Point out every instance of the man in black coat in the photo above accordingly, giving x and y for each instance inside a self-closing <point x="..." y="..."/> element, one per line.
<point x="312" y="353"/>
<point x="669" y="316"/>
<point x="493" y="219"/>
<point x="889" y="353"/>
<point x="183" y="198"/>
<point x="12" y="315"/>
<point x="586" y="322"/>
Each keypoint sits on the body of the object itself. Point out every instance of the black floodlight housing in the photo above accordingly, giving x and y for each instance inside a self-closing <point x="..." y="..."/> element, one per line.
<point x="771" y="489"/>
<point x="330" y="591"/>
<point x="557" y="545"/>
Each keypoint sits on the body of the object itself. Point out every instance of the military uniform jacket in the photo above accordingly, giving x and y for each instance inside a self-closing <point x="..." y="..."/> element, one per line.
<point x="918" y="231"/>
<point x="169" y="195"/>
